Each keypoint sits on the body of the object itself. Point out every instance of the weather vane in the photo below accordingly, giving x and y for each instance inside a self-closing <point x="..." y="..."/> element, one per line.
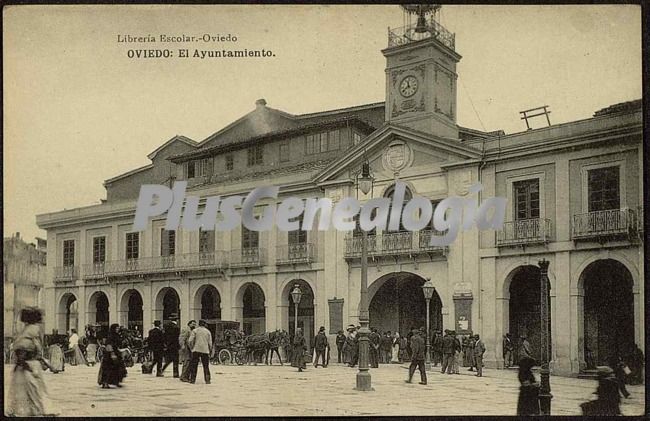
<point x="421" y="10"/>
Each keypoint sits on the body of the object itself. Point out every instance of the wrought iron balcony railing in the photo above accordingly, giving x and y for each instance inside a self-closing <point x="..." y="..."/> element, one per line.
<point x="525" y="231"/>
<point x="407" y="34"/>
<point x="248" y="257"/>
<point x="295" y="253"/>
<point x="188" y="261"/>
<point x="66" y="273"/>
<point x="394" y="244"/>
<point x="607" y="223"/>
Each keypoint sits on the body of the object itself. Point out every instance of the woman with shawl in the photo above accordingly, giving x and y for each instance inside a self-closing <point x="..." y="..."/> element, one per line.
<point x="112" y="369"/>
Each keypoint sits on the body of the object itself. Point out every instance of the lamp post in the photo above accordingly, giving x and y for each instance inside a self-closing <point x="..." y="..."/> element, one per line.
<point x="545" y="385"/>
<point x="428" y="289"/>
<point x="364" y="381"/>
<point x="296" y="294"/>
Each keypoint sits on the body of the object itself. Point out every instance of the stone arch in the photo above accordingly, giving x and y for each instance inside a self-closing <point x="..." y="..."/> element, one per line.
<point x="306" y="308"/>
<point x="609" y="255"/>
<point x="98" y="310"/>
<point x="132" y="309"/>
<point x="67" y="312"/>
<point x="206" y="303"/>
<point x="167" y="303"/>
<point x="250" y="307"/>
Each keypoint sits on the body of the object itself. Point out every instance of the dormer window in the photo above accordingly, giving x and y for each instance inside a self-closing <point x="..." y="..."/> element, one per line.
<point x="255" y="155"/>
<point x="197" y="168"/>
<point x="322" y="142"/>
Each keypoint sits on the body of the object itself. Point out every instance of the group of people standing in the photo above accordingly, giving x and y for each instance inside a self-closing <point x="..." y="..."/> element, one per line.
<point x="452" y="351"/>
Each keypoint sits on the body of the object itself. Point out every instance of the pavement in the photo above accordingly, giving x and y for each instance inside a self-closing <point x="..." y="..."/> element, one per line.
<point x="283" y="391"/>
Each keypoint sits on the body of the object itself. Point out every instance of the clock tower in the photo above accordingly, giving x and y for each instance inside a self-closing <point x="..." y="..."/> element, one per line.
<point x="421" y="74"/>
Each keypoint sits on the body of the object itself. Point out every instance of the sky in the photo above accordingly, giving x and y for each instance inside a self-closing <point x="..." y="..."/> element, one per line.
<point x="78" y="110"/>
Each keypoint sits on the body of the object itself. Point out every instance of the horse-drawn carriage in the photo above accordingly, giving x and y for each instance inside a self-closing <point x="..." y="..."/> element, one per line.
<point x="228" y="345"/>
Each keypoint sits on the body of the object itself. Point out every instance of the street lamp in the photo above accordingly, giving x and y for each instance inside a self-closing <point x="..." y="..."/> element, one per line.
<point x="545" y="385"/>
<point x="428" y="289"/>
<point x="296" y="294"/>
<point x="364" y="381"/>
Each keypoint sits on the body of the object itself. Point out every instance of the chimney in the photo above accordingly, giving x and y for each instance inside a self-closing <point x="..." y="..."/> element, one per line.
<point x="260" y="103"/>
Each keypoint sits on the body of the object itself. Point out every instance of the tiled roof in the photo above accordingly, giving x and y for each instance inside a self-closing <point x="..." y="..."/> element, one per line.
<point x="622" y="107"/>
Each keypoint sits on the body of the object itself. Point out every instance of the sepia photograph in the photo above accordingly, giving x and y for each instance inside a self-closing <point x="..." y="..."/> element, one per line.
<point x="323" y="210"/>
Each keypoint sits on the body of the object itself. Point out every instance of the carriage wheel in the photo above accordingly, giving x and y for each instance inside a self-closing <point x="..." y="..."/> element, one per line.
<point x="225" y="357"/>
<point x="239" y="359"/>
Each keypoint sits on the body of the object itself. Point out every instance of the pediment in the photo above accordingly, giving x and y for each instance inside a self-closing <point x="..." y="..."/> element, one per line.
<point x="394" y="150"/>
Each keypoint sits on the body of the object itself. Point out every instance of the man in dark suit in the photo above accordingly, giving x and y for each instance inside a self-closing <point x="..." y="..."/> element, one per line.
<point x="373" y="349"/>
<point x="448" y="350"/>
<point x="320" y="344"/>
<point x="172" y="345"/>
<point x="156" y="344"/>
<point x="340" y="341"/>
<point x="418" y="350"/>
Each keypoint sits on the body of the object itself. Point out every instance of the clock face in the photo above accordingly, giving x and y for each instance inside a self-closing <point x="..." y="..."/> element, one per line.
<point x="409" y="86"/>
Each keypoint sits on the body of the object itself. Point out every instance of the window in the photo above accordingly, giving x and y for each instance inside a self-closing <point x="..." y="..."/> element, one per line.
<point x="99" y="250"/>
<point x="356" y="138"/>
<point x="603" y="189"/>
<point x="298" y="236"/>
<point x="284" y="152"/>
<point x="132" y="245"/>
<point x="230" y="164"/>
<point x="322" y="142"/>
<point x="167" y="243"/>
<point x="249" y="239"/>
<point x="191" y="169"/>
<point x="526" y="194"/>
<point x="206" y="241"/>
<point x="407" y="197"/>
<point x="255" y="155"/>
<point x="68" y="253"/>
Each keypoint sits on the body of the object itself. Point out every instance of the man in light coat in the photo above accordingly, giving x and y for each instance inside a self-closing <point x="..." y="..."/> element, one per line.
<point x="479" y="350"/>
<point x="185" y="354"/>
<point x="200" y="342"/>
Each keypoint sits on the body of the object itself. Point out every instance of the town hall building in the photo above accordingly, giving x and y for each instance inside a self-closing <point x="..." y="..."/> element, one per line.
<point x="574" y="198"/>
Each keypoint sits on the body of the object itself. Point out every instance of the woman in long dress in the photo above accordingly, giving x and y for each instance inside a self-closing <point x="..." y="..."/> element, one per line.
<point x="56" y="358"/>
<point x="299" y="348"/>
<point x="112" y="369"/>
<point x="27" y="392"/>
<point x="91" y="348"/>
<point x="395" y="349"/>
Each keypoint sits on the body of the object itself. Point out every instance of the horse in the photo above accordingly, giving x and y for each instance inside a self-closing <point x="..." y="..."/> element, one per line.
<point x="277" y="339"/>
<point x="256" y="345"/>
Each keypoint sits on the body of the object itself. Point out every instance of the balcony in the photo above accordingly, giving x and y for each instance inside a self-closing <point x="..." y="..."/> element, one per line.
<point x="157" y="264"/>
<point x="524" y="232"/>
<point x="295" y="253"/>
<point x="66" y="273"/>
<point x="394" y="244"/>
<point x="407" y="34"/>
<point x="248" y="257"/>
<point x="607" y="224"/>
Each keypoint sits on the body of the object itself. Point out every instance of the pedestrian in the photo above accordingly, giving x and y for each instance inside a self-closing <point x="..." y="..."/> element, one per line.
<point x="185" y="351"/>
<point x="403" y="345"/>
<point x="470" y="350"/>
<point x="635" y="361"/>
<point x="528" y="402"/>
<point x="299" y="348"/>
<point x="418" y="351"/>
<point x="355" y="347"/>
<point x="73" y="344"/>
<point x="524" y="349"/>
<point x="616" y="364"/>
<point x="479" y="350"/>
<point x="437" y="348"/>
<point x="386" y="347"/>
<point x="608" y="401"/>
<point x="458" y="356"/>
<point x="321" y="344"/>
<point x="448" y="348"/>
<point x="375" y="343"/>
<point x="91" y="348"/>
<point x="56" y="357"/>
<point x="395" y="349"/>
<point x="27" y="391"/>
<point x="200" y="342"/>
<point x="340" y="342"/>
<point x="172" y="345"/>
<point x="112" y="369"/>
<point x="156" y="344"/>
<point x="508" y="348"/>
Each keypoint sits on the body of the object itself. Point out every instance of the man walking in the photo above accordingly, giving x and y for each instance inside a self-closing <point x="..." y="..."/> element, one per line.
<point x="479" y="350"/>
<point x="340" y="341"/>
<point x="172" y="345"/>
<point x="418" y="351"/>
<point x="186" y="350"/>
<point x="374" y="340"/>
<point x="448" y="350"/>
<point x="201" y="344"/>
<point x="437" y="349"/>
<point x="320" y="344"/>
<point x="156" y="344"/>
<point x="507" y="350"/>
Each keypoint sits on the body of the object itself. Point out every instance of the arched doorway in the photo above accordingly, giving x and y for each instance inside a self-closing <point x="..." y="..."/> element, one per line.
<point x="131" y="310"/>
<point x="68" y="314"/>
<point x="168" y="303"/>
<point x="397" y="304"/>
<point x="525" y="317"/>
<point x="305" y="310"/>
<point x="207" y="306"/>
<point x="98" y="312"/>
<point x="608" y="311"/>
<point x="253" y="309"/>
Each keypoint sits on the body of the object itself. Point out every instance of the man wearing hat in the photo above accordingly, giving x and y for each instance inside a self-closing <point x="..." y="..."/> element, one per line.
<point x="418" y="351"/>
<point x="172" y="345"/>
<point x="320" y="344"/>
<point x="448" y="350"/>
<point x="479" y="350"/>
<point x="156" y="344"/>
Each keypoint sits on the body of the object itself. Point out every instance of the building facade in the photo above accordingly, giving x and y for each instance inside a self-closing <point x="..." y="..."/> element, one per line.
<point x="574" y="195"/>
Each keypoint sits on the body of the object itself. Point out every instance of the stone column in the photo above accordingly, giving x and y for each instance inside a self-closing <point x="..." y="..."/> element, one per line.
<point x="186" y="301"/>
<point x="561" y="315"/>
<point x="147" y="307"/>
<point x="576" y="325"/>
